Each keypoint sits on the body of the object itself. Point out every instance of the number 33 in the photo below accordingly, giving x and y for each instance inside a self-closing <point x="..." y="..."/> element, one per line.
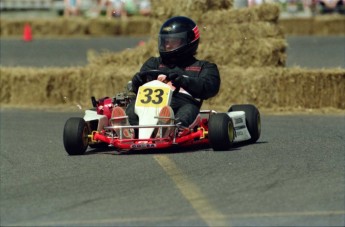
<point x="154" y="96"/>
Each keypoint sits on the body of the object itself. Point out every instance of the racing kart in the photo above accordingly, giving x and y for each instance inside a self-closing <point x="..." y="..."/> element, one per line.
<point x="240" y="124"/>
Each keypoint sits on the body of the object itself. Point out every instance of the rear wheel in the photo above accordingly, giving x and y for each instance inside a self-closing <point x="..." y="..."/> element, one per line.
<point x="220" y="131"/>
<point x="253" y="120"/>
<point x="75" y="136"/>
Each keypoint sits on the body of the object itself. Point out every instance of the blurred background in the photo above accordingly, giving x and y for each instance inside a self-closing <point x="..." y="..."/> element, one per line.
<point x="86" y="8"/>
<point x="120" y="9"/>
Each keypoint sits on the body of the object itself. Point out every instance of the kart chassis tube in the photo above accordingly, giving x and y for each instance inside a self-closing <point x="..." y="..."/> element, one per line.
<point x="142" y="126"/>
<point x="158" y="142"/>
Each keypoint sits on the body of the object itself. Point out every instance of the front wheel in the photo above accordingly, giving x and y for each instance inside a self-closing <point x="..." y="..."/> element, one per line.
<point x="253" y="120"/>
<point x="75" y="136"/>
<point x="220" y="131"/>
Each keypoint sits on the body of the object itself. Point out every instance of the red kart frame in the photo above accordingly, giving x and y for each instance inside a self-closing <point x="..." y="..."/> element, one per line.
<point x="189" y="136"/>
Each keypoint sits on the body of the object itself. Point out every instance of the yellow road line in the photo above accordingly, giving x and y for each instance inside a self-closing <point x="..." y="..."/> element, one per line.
<point x="192" y="193"/>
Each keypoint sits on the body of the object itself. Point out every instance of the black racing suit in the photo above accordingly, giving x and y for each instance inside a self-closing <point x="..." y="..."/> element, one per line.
<point x="203" y="82"/>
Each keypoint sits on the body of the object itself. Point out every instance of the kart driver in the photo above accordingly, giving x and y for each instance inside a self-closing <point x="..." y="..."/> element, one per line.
<point x="198" y="80"/>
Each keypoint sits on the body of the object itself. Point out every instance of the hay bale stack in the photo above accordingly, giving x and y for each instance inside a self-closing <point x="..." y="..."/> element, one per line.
<point x="77" y="27"/>
<point x="104" y="26"/>
<point x="193" y="8"/>
<point x="247" y="37"/>
<point x="247" y="45"/>
<point x="266" y="87"/>
<point x="278" y="87"/>
<point x="8" y="28"/>
<point x="50" y="86"/>
<point x="45" y="27"/>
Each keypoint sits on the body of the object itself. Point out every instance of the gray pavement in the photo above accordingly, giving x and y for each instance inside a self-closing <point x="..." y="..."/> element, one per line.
<point x="293" y="176"/>
<point x="316" y="51"/>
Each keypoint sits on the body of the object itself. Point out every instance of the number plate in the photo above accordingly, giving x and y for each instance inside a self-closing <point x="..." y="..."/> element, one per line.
<point x="153" y="96"/>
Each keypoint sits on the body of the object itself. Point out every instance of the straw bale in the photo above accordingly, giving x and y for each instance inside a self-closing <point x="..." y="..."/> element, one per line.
<point x="41" y="85"/>
<point x="133" y="26"/>
<point x="76" y="27"/>
<point x="333" y="24"/>
<point x="9" y="28"/>
<point x="224" y="17"/>
<point x="297" y="26"/>
<point x="50" y="86"/>
<point x="266" y="87"/>
<point x="264" y="12"/>
<point x="268" y="12"/>
<point x="274" y="87"/>
<point x="104" y="27"/>
<point x="59" y="27"/>
<point x="320" y="25"/>
<point x="247" y="53"/>
<point x="136" y="26"/>
<point x="191" y="8"/>
<point x="246" y="43"/>
<point x="45" y="27"/>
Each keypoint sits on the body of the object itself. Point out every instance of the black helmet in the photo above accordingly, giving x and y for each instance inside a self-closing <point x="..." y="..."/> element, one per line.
<point x="183" y="35"/>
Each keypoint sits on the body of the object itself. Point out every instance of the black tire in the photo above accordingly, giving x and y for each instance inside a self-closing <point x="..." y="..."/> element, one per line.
<point x="75" y="136"/>
<point x="221" y="132"/>
<point x="253" y="120"/>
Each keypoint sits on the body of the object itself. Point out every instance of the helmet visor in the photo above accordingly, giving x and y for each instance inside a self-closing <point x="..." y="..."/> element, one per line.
<point x="171" y="42"/>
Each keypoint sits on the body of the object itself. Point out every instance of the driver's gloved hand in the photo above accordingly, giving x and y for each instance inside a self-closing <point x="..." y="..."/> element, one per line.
<point x="137" y="81"/>
<point x="178" y="80"/>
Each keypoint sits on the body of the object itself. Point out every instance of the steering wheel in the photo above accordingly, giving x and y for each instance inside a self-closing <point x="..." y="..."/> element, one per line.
<point x="151" y="72"/>
<point x="154" y="74"/>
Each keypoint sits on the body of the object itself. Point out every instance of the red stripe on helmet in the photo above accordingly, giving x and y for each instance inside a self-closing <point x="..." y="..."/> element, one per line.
<point x="196" y="33"/>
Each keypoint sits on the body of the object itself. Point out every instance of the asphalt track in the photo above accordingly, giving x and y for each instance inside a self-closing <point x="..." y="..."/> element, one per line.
<point x="293" y="176"/>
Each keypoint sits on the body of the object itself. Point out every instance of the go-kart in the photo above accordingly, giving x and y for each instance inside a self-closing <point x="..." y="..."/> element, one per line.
<point x="240" y="124"/>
